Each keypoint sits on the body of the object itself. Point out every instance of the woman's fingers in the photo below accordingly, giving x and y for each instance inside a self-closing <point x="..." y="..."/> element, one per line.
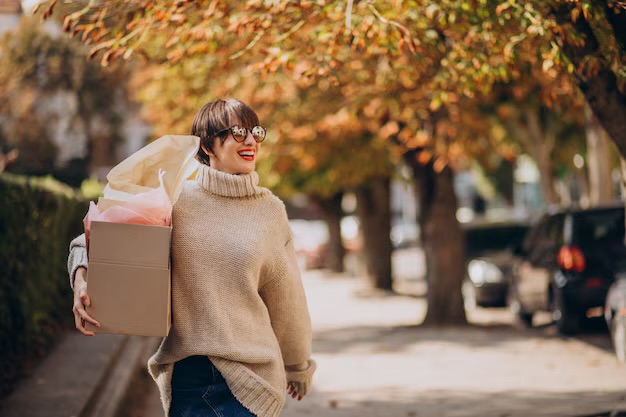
<point x="304" y="390"/>
<point x="297" y="389"/>
<point x="85" y="316"/>
<point x="85" y="300"/>
<point x="294" y="389"/>
<point x="79" y="325"/>
<point x="80" y="315"/>
<point x="79" y="306"/>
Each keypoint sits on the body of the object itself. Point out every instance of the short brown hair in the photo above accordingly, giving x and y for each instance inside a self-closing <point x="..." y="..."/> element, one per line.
<point x="219" y="115"/>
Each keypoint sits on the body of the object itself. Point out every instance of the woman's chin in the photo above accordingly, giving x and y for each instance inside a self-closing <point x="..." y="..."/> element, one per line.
<point x="246" y="169"/>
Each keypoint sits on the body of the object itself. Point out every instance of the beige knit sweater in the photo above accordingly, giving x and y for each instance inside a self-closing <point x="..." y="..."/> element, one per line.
<point x="237" y="296"/>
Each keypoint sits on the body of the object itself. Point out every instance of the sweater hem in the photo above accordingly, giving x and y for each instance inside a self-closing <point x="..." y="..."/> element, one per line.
<point x="162" y="375"/>
<point x="250" y="390"/>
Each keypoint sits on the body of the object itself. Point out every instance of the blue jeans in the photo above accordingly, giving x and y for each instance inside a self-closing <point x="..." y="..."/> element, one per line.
<point x="199" y="390"/>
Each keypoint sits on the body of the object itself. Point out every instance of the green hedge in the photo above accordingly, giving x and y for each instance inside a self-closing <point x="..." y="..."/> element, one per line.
<point x="38" y="218"/>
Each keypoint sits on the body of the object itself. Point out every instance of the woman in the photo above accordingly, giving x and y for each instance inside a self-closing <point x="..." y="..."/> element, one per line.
<point x="240" y="325"/>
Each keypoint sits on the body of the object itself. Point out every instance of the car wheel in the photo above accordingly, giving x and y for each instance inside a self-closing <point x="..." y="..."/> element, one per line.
<point x="525" y="319"/>
<point x="618" y="333"/>
<point x="567" y="322"/>
<point x="521" y="318"/>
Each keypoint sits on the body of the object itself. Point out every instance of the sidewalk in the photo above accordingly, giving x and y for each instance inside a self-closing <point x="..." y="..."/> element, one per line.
<point x="374" y="362"/>
<point x="81" y="377"/>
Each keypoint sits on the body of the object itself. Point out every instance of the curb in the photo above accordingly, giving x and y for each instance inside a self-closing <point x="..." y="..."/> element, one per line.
<point x="108" y="399"/>
<point x="81" y="377"/>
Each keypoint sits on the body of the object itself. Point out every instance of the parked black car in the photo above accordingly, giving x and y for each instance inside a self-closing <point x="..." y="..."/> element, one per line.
<point x="615" y="315"/>
<point x="489" y="256"/>
<point x="567" y="263"/>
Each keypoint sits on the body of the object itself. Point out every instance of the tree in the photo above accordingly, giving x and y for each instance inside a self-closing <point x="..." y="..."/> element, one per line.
<point x="36" y="70"/>
<point x="374" y="211"/>
<point x="598" y="161"/>
<point x="592" y="38"/>
<point x="333" y="213"/>
<point x="551" y="137"/>
<point x="588" y="39"/>
<point x="324" y="155"/>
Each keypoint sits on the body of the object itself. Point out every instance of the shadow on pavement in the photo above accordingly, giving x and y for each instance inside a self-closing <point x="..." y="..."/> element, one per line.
<point x="596" y="334"/>
<point x="444" y="403"/>
<point x="394" y="339"/>
<point x="377" y="294"/>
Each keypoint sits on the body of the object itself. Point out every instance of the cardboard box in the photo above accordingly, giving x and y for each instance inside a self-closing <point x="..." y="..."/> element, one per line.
<point x="128" y="279"/>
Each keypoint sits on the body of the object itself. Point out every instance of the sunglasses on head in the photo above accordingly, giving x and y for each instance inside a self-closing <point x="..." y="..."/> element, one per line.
<point x="241" y="133"/>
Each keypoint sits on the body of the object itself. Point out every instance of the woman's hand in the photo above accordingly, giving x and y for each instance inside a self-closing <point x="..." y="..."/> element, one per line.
<point x="81" y="299"/>
<point x="296" y="387"/>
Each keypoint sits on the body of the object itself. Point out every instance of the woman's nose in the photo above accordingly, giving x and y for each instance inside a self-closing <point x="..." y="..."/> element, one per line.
<point x="249" y="139"/>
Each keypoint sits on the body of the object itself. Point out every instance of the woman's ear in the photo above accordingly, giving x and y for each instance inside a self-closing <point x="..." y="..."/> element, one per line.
<point x="206" y="151"/>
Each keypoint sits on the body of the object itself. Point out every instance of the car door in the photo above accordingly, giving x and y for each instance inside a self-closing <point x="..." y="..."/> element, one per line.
<point x="600" y="236"/>
<point x="524" y="269"/>
<point x="535" y="270"/>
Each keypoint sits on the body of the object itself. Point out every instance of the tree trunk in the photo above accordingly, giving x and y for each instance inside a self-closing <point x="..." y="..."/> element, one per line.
<point x="608" y="105"/>
<point x="599" y="168"/>
<point x="540" y="143"/>
<point x="333" y="213"/>
<point x="582" y="187"/>
<point x="600" y="90"/>
<point x="622" y="164"/>
<point x="504" y="179"/>
<point x="374" y="212"/>
<point x="442" y="239"/>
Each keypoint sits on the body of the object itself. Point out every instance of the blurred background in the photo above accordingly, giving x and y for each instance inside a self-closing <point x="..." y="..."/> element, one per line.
<point x="461" y="157"/>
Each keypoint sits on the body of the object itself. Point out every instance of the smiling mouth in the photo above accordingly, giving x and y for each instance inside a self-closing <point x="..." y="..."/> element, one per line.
<point x="247" y="155"/>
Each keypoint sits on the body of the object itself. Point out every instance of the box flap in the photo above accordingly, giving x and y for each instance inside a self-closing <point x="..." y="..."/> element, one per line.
<point x="130" y="244"/>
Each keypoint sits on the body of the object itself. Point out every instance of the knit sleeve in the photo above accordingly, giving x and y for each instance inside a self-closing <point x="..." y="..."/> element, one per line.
<point x="77" y="257"/>
<point x="286" y="303"/>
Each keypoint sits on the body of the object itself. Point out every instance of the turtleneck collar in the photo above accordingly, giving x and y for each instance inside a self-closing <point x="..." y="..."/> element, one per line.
<point x="228" y="185"/>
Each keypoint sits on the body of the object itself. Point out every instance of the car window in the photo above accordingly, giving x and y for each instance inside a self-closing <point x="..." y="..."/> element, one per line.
<point x="547" y="239"/>
<point x="494" y="238"/>
<point x="593" y="227"/>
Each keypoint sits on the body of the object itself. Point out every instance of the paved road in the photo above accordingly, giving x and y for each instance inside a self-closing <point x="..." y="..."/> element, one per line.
<point x="373" y="361"/>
